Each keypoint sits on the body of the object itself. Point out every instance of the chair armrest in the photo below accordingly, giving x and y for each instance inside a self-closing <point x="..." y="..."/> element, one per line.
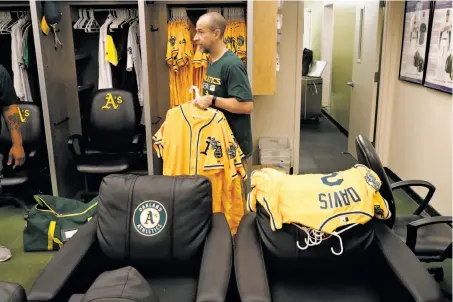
<point x="412" y="228"/>
<point x="80" y="141"/>
<point x="59" y="278"/>
<point x="217" y="262"/>
<point x="249" y="265"/>
<point x="12" y="292"/>
<point x="406" y="266"/>
<point x="417" y="183"/>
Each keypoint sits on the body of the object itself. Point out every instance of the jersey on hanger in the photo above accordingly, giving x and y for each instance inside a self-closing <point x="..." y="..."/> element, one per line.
<point x="323" y="202"/>
<point x="192" y="141"/>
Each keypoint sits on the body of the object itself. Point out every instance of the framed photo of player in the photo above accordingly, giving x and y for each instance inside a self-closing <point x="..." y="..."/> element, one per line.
<point x="417" y="19"/>
<point x="439" y="73"/>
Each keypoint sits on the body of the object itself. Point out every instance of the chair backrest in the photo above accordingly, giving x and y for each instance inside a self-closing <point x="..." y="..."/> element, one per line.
<point x="30" y="116"/>
<point x="368" y="156"/>
<point x="113" y="119"/>
<point x="153" y="222"/>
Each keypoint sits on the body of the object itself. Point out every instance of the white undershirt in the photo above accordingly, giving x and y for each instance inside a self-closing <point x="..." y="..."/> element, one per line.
<point x="20" y="74"/>
<point x="105" y="71"/>
<point x="134" y="59"/>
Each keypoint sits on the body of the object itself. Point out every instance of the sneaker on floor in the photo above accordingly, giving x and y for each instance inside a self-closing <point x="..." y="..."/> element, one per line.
<point x="5" y="253"/>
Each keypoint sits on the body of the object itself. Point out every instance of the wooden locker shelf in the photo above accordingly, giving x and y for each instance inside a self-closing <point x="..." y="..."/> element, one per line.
<point x="264" y="47"/>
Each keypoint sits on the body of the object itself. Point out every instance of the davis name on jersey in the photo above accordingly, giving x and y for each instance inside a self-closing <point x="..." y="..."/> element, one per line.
<point x="323" y="202"/>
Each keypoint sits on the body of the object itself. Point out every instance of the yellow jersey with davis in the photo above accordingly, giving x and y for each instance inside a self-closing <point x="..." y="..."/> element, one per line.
<point x="323" y="202"/>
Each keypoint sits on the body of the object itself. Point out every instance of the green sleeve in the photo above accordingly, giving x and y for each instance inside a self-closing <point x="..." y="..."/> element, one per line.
<point x="237" y="83"/>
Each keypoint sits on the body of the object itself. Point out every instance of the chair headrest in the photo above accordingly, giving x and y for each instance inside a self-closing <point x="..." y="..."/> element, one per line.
<point x="30" y="117"/>
<point x="368" y="157"/>
<point x="153" y="217"/>
<point x="113" y="114"/>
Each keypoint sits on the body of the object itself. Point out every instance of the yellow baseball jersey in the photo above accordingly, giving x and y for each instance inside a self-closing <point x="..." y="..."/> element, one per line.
<point x="323" y="202"/>
<point x="192" y="141"/>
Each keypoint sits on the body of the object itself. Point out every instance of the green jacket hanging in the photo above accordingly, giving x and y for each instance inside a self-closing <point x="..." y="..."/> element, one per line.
<point x="54" y="220"/>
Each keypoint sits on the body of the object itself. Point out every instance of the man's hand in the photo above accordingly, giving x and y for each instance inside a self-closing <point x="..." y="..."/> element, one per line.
<point x="203" y="101"/>
<point x="17" y="154"/>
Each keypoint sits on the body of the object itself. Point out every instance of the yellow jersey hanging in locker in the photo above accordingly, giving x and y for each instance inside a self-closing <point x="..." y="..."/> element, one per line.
<point x="192" y="141"/>
<point x="323" y="202"/>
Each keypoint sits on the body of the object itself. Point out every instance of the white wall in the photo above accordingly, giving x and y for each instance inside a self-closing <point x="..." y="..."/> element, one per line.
<point x="414" y="136"/>
<point x="326" y="52"/>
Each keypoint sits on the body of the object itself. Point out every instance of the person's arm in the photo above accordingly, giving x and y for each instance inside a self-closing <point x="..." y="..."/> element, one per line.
<point x="240" y="99"/>
<point x="233" y="105"/>
<point x="12" y="117"/>
<point x="8" y="100"/>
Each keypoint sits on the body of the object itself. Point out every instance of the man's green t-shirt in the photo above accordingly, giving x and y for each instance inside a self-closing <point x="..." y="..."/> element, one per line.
<point x="227" y="78"/>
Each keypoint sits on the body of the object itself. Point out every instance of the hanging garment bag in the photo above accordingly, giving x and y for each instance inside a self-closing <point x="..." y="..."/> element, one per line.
<point x="54" y="220"/>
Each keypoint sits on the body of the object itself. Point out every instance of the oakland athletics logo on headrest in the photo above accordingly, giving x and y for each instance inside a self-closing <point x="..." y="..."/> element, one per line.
<point x="150" y="218"/>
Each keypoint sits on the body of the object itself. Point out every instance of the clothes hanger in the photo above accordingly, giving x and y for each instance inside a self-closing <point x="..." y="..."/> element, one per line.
<point x="5" y="19"/>
<point x="75" y="26"/>
<point x="197" y="94"/>
<point x="127" y="18"/>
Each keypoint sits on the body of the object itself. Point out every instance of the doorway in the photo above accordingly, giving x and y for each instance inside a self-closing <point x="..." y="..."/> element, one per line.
<point x="350" y="35"/>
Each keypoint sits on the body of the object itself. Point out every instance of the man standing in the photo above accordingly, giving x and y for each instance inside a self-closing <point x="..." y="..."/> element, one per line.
<point x="11" y="114"/>
<point x="226" y="85"/>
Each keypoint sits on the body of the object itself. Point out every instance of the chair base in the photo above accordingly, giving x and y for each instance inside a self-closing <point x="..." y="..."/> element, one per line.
<point x="437" y="272"/>
<point x="17" y="203"/>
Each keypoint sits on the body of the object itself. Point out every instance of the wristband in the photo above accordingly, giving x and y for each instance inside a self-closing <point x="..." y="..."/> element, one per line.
<point x="214" y="98"/>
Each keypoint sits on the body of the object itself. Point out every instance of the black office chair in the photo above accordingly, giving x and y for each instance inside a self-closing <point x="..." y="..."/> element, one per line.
<point x="375" y="266"/>
<point x="31" y="132"/>
<point x="162" y="226"/>
<point x="113" y="142"/>
<point x="430" y="238"/>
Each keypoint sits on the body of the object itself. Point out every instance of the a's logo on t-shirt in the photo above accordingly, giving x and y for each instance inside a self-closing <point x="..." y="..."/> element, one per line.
<point x="212" y="80"/>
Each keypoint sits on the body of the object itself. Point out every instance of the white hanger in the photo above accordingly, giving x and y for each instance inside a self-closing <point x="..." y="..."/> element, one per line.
<point x="197" y="94"/>
<point x="93" y="24"/>
<point x="78" y="20"/>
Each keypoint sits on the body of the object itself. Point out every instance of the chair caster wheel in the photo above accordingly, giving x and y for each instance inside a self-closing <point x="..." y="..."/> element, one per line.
<point x="317" y="119"/>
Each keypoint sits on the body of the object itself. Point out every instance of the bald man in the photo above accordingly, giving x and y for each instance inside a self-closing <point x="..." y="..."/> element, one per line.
<point x="226" y="85"/>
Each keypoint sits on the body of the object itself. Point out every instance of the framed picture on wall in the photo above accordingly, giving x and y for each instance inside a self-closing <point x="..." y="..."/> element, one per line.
<point x="439" y="71"/>
<point x="417" y="19"/>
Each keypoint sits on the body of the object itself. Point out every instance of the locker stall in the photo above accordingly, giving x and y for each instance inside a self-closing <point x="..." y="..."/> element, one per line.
<point x="119" y="21"/>
<point x="82" y="108"/>
<point x="18" y="57"/>
<point x="159" y="18"/>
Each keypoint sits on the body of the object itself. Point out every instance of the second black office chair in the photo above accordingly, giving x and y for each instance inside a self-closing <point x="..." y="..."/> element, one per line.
<point x="430" y="238"/>
<point x="113" y="142"/>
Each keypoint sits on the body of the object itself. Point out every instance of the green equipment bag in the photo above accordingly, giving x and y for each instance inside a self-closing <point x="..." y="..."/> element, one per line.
<point x="54" y="220"/>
